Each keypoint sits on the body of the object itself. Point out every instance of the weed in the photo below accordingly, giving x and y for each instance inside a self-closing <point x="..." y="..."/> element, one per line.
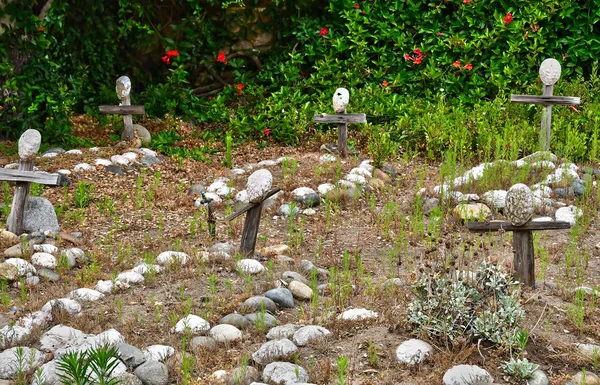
<point x="342" y="375"/>
<point x="83" y="195"/>
<point x="519" y="368"/>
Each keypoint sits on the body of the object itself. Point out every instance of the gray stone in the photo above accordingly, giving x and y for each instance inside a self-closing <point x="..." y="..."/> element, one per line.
<point x="39" y="215"/>
<point x="281" y="296"/>
<point x="197" y="189"/>
<point x="307" y="267"/>
<point x="578" y="186"/>
<point x="262" y="319"/>
<point x="430" y="204"/>
<point x="311" y="199"/>
<point x="284" y="373"/>
<point x="308" y="334"/>
<point x="158" y="352"/>
<point x="276" y="350"/>
<point x="466" y="375"/>
<point x="242" y="375"/>
<point x="300" y="290"/>
<point x="128" y="379"/>
<point x="17" y="251"/>
<point x="29" y="143"/>
<point x="588" y="378"/>
<point x="538" y="377"/>
<point x="288" y="210"/>
<point x="283" y="331"/>
<point x="253" y="304"/>
<point x="519" y="204"/>
<point x="237" y="320"/>
<point x="117" y="170"/>
<point x="227" y="248"/>
<point x="153" y="373"/>
<point x="18" y="359"/>
<point x="413" y="351"/>
<point x="259" y="183"/>
<point x="141" y="132"/>
<point x="130" y="355"/>
<point x="8" y="272"/>
<point x="61" y="337"/>
<point x="149" y="160"/>
<point x="290" y="276"/>
<point x="225" y="333"/>
<point x="203" y="342"/>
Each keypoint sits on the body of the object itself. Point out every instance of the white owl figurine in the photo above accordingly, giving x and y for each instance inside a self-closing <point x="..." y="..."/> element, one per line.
<point x="259" y="183"/>
<point x="123" y="87"/>
<point x="341" y="98"/>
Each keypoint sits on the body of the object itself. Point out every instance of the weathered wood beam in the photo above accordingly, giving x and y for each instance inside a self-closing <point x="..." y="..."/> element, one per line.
<point x="32" y="177"/>
<point x="484" y="227"/>
<point x="123" y="110"/>
<point x="524" y="258"/>
<point x="250" y="206"/>
<point x="340" y="118"/>
<point x="545" y="100"/>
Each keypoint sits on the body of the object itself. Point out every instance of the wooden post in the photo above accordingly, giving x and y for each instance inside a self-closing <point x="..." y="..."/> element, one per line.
<point x="123" y="91"/>
<point x="547" y="119"/>
<point x="524" y="258"/>
<point x="29" y="144"/>
<point x="343" y="138"/>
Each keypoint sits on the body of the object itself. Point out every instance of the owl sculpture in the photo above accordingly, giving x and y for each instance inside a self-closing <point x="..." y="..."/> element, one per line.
<point x="341" y="98"/>
<point x="123" y="87"/>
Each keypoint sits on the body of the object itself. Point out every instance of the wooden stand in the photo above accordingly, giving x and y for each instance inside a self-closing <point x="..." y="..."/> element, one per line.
<point x="252" y="222"/>
<point x="524" y="254"/>
<point x="342" y="121"/>
<point x="125" y="109"/>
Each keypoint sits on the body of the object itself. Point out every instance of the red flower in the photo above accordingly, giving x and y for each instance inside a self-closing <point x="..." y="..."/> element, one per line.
<point x="469" y="66"/>
<point x="440" y="34"/>
<point x="356" y="6"/>
<point x="466" y="1"/>
<point x="173" y="53"/>
<point x="166" y="59"/>
<point x="267" y="131"/>
<point x="564" y="57"/>
<point x="508" y="18"/>
<point x="573" y="108"/>
<point x="41" y="29"/>
<point x="240" y="86"/>
<point x="384" y="83"/>
<point x="456" y="64"/>
<point x="407" y="57"/>
<point x="418" y="60"/>
<point x="363" y="13"/>
<point x="418" y="52"/>
<point x="324" y="31"/>
<point x="221" y="58"/>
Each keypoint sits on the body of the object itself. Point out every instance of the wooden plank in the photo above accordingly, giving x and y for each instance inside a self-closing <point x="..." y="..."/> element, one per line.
<point x="250" y="231"/>
<point x="340" y="118"/>
<point x="343" y="139"/>
<point x="31" y="177"/>
<point x="15" y="220"/>
<point x="547" y="119"/>
<point x="484" y="227"/>
<point x="251" y="205"/>
<point x="545" y="100"/>
<point x="123" y="110"/>
<point x="524" y="261"/>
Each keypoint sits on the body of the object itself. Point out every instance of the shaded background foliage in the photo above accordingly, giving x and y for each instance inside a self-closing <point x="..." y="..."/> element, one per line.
<point x="285" y="57"/>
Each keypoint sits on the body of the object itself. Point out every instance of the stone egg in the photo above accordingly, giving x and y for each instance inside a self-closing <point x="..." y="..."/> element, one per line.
<point x="518" y="208"/>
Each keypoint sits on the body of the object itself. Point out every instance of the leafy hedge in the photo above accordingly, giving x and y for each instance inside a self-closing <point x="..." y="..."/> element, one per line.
<point x="396" y="57"/>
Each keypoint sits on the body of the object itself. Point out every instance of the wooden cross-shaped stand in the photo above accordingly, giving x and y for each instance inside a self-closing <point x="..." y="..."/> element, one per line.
<point x="549" y="73"/>
<point x="341" y="98"/>
<point x="125" y="108"/>
<point x="29" y="144"/>
<point x="251" y="223"/>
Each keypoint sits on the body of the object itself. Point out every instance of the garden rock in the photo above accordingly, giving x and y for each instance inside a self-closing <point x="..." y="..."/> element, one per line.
<point x="589" y="350"/>
<point x="276" y="350"/>
<point x="284" y="373"/>
<point x="45" y="248"/>
<point x="24" y="268"/>
<point x="255" y="303"/>
<point x="301" y="193"/>
<point x="258" y="185"/>
<point x="69" y="305"/>
<point x="7" y="238"/>
<point x="158" y="352"/>
<point x="168" y="257"/>
<point x="149" y="160"/>
<point x="130" y="277"/>
<point x="234" y="319"/>
<point x="250" y="266"/>
<point x="262" y="319"/>
<point x="131" y="356"/>
<point x="324" y="188"/>
<point x="85" y="295"/>
<point x="75" y="256"/>
<point x="413" y="351"/>
<point x="203" y="342"/>
<point x="588" y="378"/>
<point x="466" y="375"/>
<point x="226" y="248"/>
<point x="519" y="204"/>
<point x="192" y="322"/>
<point x="471" y="212"/>
<point x="568" y="214"/>
<point x="39" y="215"/>
<point x="127" y="379"/>
<point x="430" y="204"/>
<point x="540" y="156"/>
<point x="153" y="373"/>
<point x="61" y="337"/>
<point x="8" y="272"/>
<point x="113" y="169"/>
<point x="288" y="210"/>
<point x="225" y="333"/>
<point x="48" y="374"/>
<point x="16" y="251"/>
<point x="140" y="132"/>
<point x="290" y="276"/>
<point x="538" y="377"/>
<point x="275" y="250"/>
<point x="283" y="331"/>
<point x="398" y="282"/>
<point x="300" y="290"/>
<point x="10" y="363"/>
<point x="308" y="334"/>
<point x="84" y="167"/>
<point x="357" y="315"/>
<point x="242" y="376"/>
<point x="495" y="198"/>
<point x="281" y="296"/>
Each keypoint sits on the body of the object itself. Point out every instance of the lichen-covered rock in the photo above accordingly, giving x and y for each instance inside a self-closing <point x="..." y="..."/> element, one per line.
<point x="519" y="205"/>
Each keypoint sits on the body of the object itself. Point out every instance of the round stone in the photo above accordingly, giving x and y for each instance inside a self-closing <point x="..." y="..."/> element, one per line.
<point x="519" y="206"/>
<point x="550" y="71"/>
<point x="413" y="351"/>
<point x="276" y="350"/>
<point x="225" y="333"/>
<point x="284" y="373"/>
<point x="466" y="375"/>
<point x="259" y="183"/>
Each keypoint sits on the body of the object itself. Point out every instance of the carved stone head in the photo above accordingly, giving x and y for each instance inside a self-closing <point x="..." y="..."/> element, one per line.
<point x="123" y="87"/>
<point x="550" y="71"/>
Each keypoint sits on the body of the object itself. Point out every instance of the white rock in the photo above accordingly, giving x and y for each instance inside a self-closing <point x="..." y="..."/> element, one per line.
<point x="568" y="214"/>
<point x="61" y="337"/>
<point x="74" y="152"/>
<point x="46" y="260"/>
<point x="283" y="331"/>
<point x="225" y="191"/>
<point x="147" y="151"/>
<point x="357" y="314"/>
<point x="12" y="166"/>
<point x="225" y="333"/>
<point x="466" y="375"/>
<point x="309" y="333"/>
<point x="130" y="277"/>
<point x="366" y="164"/>
<point x="212" y="196"/>
<point x="95" y="149"/>
<point x="266" y="163"/>
<point x="83" y="167"/>
<point x="85" y="295"/>
<point x="284" y="373"/>
<point x="325" y="188"/>
<point x="11" y="334"/>
<point x="519" y="163"/>
<point x="242" y="196"/>
<point x="45" y="248"/>
<point x="238" y="171"/>
<point x="102" y="162"/>
<point x="158" y="353"/>
<point x="543" y="164"/>
<point x="23" y="267"/>
<point x="457" y="196"/>
<point x="358" y="179"/>
<point x="69" y="305"/>
<point x="17" y="359"/>
<point x="105" y="287"/>
<point x="250" y="266"/>
<point x="495" y="198"/>
<point x="192" y="322"/>
<point x="215" y="186"/>
<point x="119" y="160"/>
<point x="361" y="171"/>
<point x="64" y="172"/>
<point x="277" y="350"/>
<point x="48" y="374"/>
<point x="168" y="257"/>
<point x="29" y="143"/>
<point x="471" y="197"/>
<point x="302" y="191"/>
<point x="130" y="155"/>
<point x="108" y="337"/>
<point x="441" y="189"/>
<point x="327" y="158"/>
<point x="259" y="183"/>
<point x="541" y="191"/>
<point x="37" y="318"/>
<point x="413" y="351"/>
<point x="50" y="155"/>
<point x="144" y="268"/>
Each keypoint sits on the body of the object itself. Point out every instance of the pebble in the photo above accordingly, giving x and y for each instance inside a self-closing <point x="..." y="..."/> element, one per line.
<point x="276" y="350"/>
<point x="310" y="333"/>
<point x="257" y="320"/>
<point x="413" y="351"/>
<point x="168" y="257"/>
<point x="300" y="290"/>
<point x="192" y="322"/>
<point x="250" y="266"/>
<point x="284" y="373"/>
<point x="466" y="375"/>
<point x="225" y="333"/>
<point x="281" y="296"/>
<point x="153" y="373"/>
<point x="237" y="320"/>
<point x="357" y="314"/>
<point x="283" y="331"/>
<point x="254" y="304"/>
